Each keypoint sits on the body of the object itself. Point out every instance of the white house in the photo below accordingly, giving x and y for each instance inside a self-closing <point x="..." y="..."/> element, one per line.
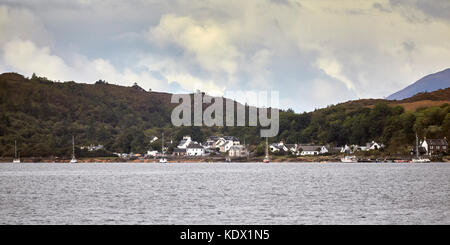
<point x="323" y="150"/>
<point x="349" y="149"/>
<point x="292" y="148"/>
<point x="194" y="149"/>
<point x="375" y="146"/>
<point x="223" y="143"/>
<point x="92" y="147"/>
<point x="276" y="147"/>
<point x="309" y="150"/>
<point x="211" y="142"/>
<point x="152" y="153"/>
<point x="153" y="139"/>
<point x="227" y="146"/>
<point x="184" y="142"/>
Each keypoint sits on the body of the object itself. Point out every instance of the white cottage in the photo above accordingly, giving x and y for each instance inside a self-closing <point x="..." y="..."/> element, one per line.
<point x="194" y="149"/>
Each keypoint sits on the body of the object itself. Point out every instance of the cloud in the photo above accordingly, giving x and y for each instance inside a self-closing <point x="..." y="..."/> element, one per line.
<point x="175" y="72"/>
<point x="207" y="42"/>
<point x="22" y="24"/>
<point x="357" y="48"/>
<point x="25" y="57"/>
<point x="436" y="9"/>
<point x="333" y="69"/>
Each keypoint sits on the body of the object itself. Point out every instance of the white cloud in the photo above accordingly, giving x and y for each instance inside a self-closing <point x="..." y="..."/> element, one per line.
<point x="207" y="42"/>
<point x="359" y="48"/>
<point x="25" y="57"/>
<point x="333" y="69"/>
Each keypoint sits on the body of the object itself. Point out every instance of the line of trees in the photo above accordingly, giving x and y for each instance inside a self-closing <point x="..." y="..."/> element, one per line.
<point x="43" y="115"/>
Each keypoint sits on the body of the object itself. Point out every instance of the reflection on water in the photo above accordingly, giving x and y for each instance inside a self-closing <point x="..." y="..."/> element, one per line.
<point x="236" y="193"/>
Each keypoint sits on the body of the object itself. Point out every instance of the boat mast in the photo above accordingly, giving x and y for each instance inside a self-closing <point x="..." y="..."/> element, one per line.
<point x="73" y="146"/>
<point x="162" y="145"/>
<point x="267" y="148"/>
<point x="15" y="149"/>
<point x="417" y="147"/>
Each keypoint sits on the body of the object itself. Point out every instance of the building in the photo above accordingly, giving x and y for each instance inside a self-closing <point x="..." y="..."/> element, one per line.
<point x="223" y="143"/>
<point x="92" y="147"/>
<point x="370" y="146"/>
<point x="277" y="147"/>
<point x="422" y="150"/>
<point x="323" y="150"/>
<point x="335" y="149"/>
<point x="309" y="150"/>
<point x="184" y="142"/>
<point x="152" y="153"/>
<point x="179" y="152"/>
<point x="154" y="138"/>
<point x="435" y="146"/>
<point x="292" y="148"/>
<point x="238" y="151"/>
<point x="194" y="149"/>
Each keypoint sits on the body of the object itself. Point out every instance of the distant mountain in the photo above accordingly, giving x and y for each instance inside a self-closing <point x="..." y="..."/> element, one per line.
<point x="430" y="83"/>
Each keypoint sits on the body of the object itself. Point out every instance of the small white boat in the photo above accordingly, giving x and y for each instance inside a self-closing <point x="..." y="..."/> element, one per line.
<point x="163" y="160"/>
<point x="349" y="159"/>
<point x="73" y="160"/>
<point x="228" y="159"/>
<point x="420" y="160"/>
<point x="16" y="159"/>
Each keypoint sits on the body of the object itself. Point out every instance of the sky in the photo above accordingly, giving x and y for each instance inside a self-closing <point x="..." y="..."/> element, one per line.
<point x="313" y="52"/>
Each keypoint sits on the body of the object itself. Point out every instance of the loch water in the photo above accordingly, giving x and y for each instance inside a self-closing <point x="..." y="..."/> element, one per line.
<point x="225" y="193"/>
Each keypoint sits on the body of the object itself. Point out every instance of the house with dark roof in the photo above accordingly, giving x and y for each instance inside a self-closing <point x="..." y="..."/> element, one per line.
<point x="184" y="142"/>
<point x="309" y="150"/>
<point x="179" y="152"/>
<point x="435" y="146"/>
<point x="194" y="149"/>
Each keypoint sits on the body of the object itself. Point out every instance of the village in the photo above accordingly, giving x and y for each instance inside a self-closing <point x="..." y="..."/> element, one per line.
<point x="219" y="148"/>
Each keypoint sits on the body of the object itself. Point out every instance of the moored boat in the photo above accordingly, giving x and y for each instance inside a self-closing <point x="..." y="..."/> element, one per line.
<point x="162" y="159"/>
<point x="420" y="160"/>
<point x="16" y="159"/>
<point x="73" y="160"/>
<point x="400" y="161"/>
<point x="349" y="159"/>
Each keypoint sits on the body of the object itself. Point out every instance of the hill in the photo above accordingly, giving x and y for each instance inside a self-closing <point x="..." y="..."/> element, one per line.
<point x="42" y="116"/>
<point x="430" y="83"/>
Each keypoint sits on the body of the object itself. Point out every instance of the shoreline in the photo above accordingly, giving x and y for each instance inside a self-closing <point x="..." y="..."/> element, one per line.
<point x="274" y="159"/>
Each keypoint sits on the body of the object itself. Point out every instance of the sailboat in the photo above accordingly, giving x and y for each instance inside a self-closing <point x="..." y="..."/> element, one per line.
<point x="419" y="159"/>
<point x="73" y="160"/>
<point x="162" y="159"/>
<point x="266" y="158"/>
<point x="16" y="159"/>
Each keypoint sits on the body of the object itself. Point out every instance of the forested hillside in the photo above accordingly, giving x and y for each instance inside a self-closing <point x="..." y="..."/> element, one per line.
<point x="43" y="115"/>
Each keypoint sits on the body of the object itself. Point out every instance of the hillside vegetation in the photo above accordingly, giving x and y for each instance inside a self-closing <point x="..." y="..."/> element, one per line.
<point x="43" y="115"/>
